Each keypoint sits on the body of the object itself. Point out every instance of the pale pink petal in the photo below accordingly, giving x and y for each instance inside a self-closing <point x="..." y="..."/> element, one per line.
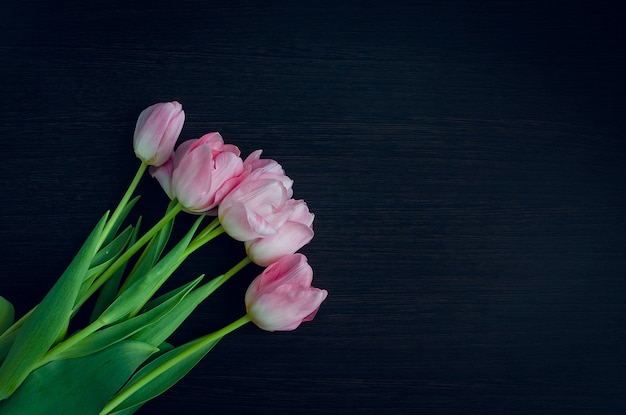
<point x="191" y="179"/>
<point x="238" y="222"/>
<point x="290" y="238"/>
<point x="182" y="149"/>
<point x="163" y="174"/>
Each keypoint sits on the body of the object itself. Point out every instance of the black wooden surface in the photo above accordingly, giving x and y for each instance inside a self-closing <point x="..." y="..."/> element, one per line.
<point x="465" y="161"/>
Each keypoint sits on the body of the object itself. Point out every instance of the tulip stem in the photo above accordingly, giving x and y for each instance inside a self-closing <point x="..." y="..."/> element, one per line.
<point x="192" y="347"/>
<point x="123" y="202"/>
<point x="219" y="281"/>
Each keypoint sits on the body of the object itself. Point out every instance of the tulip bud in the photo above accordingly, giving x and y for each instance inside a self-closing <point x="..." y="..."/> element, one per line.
<point x="156" y="132"/>
<point x="281" y="298"/>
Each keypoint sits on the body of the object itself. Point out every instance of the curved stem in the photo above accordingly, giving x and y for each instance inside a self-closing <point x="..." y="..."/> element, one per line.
<point x="235" y="269"/>
<point x="217" y="282"/>
<point x="196" y="346"/>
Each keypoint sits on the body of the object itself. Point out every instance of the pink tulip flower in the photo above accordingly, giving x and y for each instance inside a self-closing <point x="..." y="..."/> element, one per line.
<point x="254" y="208"/>
<point x="156" y="132"/>
<point x="295" y="232"/>
<point x="200" y="173"/>
<point x="281" y="298"/>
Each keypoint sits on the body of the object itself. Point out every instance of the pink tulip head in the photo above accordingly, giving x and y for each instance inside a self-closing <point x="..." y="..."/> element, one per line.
<point x="200" y="173"/>
<point x="294" y="229"/>
<point x="156" y="132"/>
<point x="253" y="209"/>
<point x="281" y="298"/>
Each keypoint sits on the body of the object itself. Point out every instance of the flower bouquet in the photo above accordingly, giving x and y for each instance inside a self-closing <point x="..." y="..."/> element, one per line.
<point x="120" y="358"/>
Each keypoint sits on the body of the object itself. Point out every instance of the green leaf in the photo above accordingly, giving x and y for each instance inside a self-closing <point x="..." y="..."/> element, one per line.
<point x="128" y="411"/>
<point x="110" y="335"/>
<point x="108" y="292"/>
<point x="105" y="256"/>
<point x="189" y="354"/>
<point x="77" y="386"/>
<point x="139" y="293"/>
<point x="7" y="314"/>
<point x="163" y="348"/>
<point x="152" y="252"/>
<point x="48" y="319"/>
<point x="113" y="249"/>
<point x="120" y="220"/>
<point x="6" y="342"/>
<point x="162" y="329"/>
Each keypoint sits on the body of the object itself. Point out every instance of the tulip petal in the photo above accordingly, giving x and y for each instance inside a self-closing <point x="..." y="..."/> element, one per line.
<point x="163" y="174"/>
<point x="290" y="238"/>
<point x="243" y="224"/>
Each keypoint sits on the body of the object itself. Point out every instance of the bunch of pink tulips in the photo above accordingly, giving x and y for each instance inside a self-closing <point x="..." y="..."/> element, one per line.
<point x="253" y="201"/>
<point x="121" y="358"/>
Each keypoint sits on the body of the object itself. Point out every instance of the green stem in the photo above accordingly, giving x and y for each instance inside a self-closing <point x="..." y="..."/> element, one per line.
<point x="218" y="281"/>
<point x="120" y="207"/>
<point x="235" y="269"/>
<point x="198" y="345"/>
<point x="128" y="254"/>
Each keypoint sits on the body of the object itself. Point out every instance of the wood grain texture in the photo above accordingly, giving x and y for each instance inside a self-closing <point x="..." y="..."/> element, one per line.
<point x="465" y="161"/>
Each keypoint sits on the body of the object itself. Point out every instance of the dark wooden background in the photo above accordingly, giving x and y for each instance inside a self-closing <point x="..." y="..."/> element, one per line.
<point x="465" y="160"/>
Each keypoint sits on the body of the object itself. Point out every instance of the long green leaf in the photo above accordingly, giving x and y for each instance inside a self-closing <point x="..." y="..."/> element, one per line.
<point x="138" y="294"/>
<point x="120" y="220"/>
<point x="113" y="249"/>
<point x="128" y="411"/>
<point x="152" y="252"/>
<point x="5" y="344"/>
<point x="108" y="292"/>
<point x="77" y="386"/>
<point x="105" y="256"/>
<point x="48" y="319"/>
<point x="163" y="329"/>
<point x="167" y="379"/>
<point x="7" y="314"/>
<point x="118" y="332"/>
